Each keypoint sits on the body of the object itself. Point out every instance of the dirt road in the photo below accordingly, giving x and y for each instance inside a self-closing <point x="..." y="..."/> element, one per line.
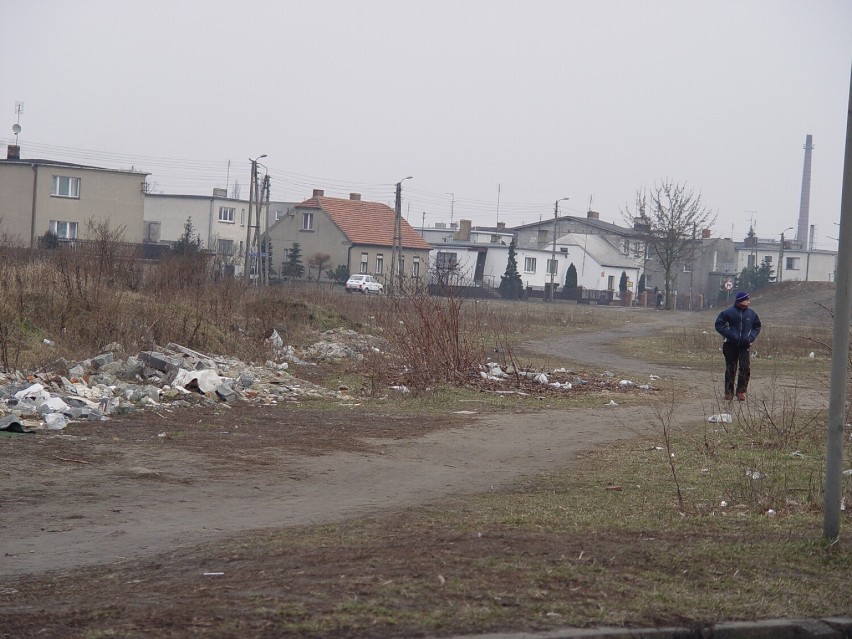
<point x="133" y="487"/>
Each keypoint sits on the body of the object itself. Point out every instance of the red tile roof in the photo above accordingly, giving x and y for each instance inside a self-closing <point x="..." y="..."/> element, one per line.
<point x="366" y="222"/>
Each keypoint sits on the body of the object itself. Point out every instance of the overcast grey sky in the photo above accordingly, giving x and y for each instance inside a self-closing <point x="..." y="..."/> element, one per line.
<point x="586" y="99"/>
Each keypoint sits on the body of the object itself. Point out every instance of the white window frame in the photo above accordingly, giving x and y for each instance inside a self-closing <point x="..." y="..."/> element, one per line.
<point x="227" y="214"/>
<point x="365" y="263"/>
<point x="552" y="267"/>
<point x="529" y="264"/>
<point x="415" y="267"/>
<point x="65" y="186"/>
<point x="64" y="230"/>
<point x="380" y="263"/>
<point x="307" y="221"/>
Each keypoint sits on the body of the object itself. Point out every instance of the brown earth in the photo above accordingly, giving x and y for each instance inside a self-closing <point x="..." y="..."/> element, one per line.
<point x="146" y="492"/>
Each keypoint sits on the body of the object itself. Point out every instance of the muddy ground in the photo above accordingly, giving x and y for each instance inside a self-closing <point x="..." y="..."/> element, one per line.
<point x="100" y="497"/>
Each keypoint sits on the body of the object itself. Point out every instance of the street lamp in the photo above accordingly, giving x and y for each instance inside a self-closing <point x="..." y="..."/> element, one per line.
<point x="553" y="251"/>
<point x="781" y="255"/>
<point x="396" y="251"/>
<point x="253" y="197"/>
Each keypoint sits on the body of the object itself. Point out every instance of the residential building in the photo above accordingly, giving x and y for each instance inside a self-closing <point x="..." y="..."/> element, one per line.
<point x="38" y="196"/>
<point x="465" y="255"/>
<point x="353" y="233"/>
<point x="600" y="251"/>
<point x="789" y="262"/>
<point x="218" y="220"/>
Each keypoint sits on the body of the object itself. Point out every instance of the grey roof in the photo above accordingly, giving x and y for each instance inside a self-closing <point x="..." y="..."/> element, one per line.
<point x="71" y="165"/>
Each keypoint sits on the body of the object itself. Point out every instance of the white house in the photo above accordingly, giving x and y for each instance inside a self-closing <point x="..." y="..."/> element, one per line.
<point x="789" y="262"/>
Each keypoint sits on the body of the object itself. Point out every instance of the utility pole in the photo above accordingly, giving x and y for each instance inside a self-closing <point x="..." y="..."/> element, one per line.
<point x="553" y="250"/>
<point x="265" y="240"/>
<point x="499" y="188"/>
<point x="781" y="255"/>
<point x="253" y="202"/>
<point x="396" y="251"/>
<point x="839" y="350"/>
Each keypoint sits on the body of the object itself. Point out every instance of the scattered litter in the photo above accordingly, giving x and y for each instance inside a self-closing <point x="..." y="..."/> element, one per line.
<point x="847" y="472"/>
<point x="653" y="377"/>
<point x="465" y="412"/>
<point x="754" y="474"/>
<point x="613" y="487"/>
<point x="723" y="504"/>
<point x="811" y="355"/>
<point x="401" y="389"/>
<point x="771" y="513"/>
<point x="797" y="454"/>
<point x="611" y="403"/>
<point x="213" y="574"/>
<point x="721" y="418"/>
<point x="626" y="383"/>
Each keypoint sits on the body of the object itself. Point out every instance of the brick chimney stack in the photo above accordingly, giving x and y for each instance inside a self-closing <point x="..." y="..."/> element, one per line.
<point x="318" y="193"/>
<point x="356" y="197"/>
<point x="13" y="152"/>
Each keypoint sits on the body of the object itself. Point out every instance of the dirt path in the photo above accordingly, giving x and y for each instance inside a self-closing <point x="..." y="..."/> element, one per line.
<point x="139" y="497"/>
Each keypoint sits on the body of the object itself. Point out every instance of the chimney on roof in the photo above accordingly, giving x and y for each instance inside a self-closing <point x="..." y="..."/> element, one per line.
<point x="318" y="193"/>
<point x="463" y="234"/>
<point x="593" y="215"/>
<point x="355" y="197"/>
<point x="501" y="226"/>
<point x="220" y="192"/>
<point x="706" y="234"/>
<point x="13" y="152"/>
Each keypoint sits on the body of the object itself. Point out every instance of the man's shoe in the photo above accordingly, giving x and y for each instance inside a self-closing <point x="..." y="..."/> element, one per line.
<point x="729" y="396"/>
<point x="741" y="397"/>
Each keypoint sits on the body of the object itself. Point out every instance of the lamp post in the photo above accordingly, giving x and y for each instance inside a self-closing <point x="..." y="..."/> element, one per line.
<point x="553" y="250"/>
<point x="253" y="198"/>
<point x="781" y="255"/>
<point x="396" y="251"/>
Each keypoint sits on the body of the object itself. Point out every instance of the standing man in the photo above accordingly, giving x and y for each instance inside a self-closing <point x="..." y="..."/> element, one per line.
<point x="740" y="326"/>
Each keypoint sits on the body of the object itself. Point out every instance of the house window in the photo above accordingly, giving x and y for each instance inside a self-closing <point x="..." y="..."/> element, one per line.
<point x="751" y="261"/>
<point x="286" y="256"/>
<point x="552" y="267"/>
<point x="529" y="265"/>
<point x="307" y="221"/>
<point x="226" y="247"/>
<point x="227" y="214"/>
<point x="242" y="248"/>
<point x="626" y="250"/>
<point x="364" y="263"/>
<point x="401" y="265"/>
<point x="768" y="259"/>
<point x="152" y="231"/>
<point x="687" y="268"/>
<point x="64" y="230"/>
<point x="64" y="186"/>
<point x="380" y="264"/>
<point x="242" y="217"/>
<point x="792" y="264"/>
<point x="446" y="261"/>
<point x="610" y="283"/>
<point x="415" y="267"/>
<point x="542" y="236"/>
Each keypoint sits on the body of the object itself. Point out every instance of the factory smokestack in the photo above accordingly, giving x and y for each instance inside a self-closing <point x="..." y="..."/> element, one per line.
<point x="805" y="203"/>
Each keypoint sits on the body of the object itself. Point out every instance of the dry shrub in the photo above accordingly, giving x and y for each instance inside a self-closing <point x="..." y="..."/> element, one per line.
<point x="434" y="339"/>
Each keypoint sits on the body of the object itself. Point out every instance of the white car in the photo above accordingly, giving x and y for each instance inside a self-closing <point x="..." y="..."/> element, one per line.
<point x="363" y="284"/>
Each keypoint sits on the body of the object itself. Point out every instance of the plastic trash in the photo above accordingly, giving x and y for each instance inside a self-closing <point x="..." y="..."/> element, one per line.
<point x="721" y="418"/>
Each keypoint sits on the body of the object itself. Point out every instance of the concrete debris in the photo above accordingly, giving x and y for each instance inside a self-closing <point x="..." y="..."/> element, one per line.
<point x="173" y="375"/>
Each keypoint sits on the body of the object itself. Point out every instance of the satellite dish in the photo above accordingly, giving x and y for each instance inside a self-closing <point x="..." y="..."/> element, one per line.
<point x="16" y="128"/>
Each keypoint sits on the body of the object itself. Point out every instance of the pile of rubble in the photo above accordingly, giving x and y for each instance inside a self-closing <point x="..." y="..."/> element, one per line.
<point x="175" y="375"/>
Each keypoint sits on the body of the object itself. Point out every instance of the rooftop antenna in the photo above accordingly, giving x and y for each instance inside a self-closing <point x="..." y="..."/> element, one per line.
<point x="16" y="128"/>
<point x="499" y="187"/>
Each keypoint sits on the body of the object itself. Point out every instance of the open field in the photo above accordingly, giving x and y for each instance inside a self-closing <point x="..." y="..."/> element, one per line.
<point x="455" y="512"/>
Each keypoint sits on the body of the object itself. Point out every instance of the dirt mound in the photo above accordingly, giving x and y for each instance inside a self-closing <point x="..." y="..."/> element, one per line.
<point x="795" y="303"/>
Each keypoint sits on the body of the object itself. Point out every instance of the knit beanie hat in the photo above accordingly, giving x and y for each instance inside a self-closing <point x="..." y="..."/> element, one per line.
<point x="741" y="297"/>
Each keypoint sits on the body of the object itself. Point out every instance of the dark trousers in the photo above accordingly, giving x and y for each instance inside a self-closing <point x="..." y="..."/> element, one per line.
<point x="737" y="367"/>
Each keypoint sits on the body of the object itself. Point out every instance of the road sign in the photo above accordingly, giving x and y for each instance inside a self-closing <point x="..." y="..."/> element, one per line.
<point x="729" y="285"/>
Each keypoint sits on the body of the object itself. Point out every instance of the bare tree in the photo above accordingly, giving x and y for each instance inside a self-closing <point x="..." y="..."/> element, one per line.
<point x="671" y="219"/>
<point x="318" y="261"/>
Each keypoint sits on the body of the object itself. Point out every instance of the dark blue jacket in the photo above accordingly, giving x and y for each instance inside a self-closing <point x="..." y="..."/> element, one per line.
<point x="740" y="326"/>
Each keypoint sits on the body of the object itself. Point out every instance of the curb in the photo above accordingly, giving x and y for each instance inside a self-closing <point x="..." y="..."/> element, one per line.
<point x="826" y="628"/>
